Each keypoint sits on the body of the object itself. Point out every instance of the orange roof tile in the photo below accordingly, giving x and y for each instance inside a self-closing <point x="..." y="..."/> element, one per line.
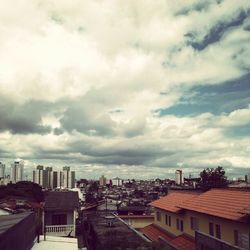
<point x="153" y="233"/>
<point x="182" y="242"/>
<point x="172" y="201"/>
<point x="245" y="211"/>
<point x="225" y="203"/>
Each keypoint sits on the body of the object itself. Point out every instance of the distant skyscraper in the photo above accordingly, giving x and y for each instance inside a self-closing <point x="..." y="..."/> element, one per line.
<point x="178" y="177"/>
<point x="2" y="170"/>
<point x="47" y="178"/>
<point x="43" y="177"/>
<point x="16" y="173"/>
<point x="102" y="181"/>
<point x="60" y="179"/>
<point x="2" y="173"/>
<point x="68" y="178"/>
<point x="117" y="181"/>
<point x="38" y="175"/>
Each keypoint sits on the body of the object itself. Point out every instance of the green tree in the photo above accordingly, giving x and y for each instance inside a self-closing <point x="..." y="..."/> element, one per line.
<point x="24" y="189"/>
<point x="213" y="178"/>
<point x="94" y="186"/>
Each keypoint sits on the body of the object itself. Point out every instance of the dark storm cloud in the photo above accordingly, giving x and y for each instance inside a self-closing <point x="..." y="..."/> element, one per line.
<point x="24" y="118"/>
<point x="217" y="31"/>
<point x="122" y="152"/>
<point x="88" y="151"/>
<point x="75" y="118"/>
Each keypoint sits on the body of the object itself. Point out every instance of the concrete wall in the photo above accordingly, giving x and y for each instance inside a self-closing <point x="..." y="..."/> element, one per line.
<point x="206" y="242"/>
<point x="21" y="234"/>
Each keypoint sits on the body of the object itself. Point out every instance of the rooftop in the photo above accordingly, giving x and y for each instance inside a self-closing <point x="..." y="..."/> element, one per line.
<point x="56" y="243"/>
<point x="182" y="242"/>
<point x="106" y="236"/>
<point x="225" y="203"/>
<point x="61" y="200"/>
<point x="172" y="201"/>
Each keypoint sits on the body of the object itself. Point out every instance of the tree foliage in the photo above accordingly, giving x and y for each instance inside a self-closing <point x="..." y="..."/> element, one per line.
<point x="22" y="189"/>
<point x="94" y="186"/>
<point x="213" y="178"/>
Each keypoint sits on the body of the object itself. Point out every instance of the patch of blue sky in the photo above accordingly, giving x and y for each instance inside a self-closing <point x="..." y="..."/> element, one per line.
<point x="216" y="99"/>
<point x="238" y="131"/>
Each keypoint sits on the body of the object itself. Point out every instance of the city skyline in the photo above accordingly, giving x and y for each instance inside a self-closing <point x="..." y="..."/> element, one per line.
<point x="136" y="88"/>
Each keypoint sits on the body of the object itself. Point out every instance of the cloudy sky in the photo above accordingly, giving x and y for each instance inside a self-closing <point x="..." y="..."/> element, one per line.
<point x="129" y="88"/>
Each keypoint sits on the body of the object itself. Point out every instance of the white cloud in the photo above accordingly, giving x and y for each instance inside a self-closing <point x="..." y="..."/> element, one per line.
<point x="104" y="65"/>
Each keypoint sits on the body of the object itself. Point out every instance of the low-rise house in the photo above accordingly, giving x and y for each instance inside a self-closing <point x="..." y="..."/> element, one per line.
<point x="216" y="219"/>
<point x="221" y="213"/>
<point x="137" y="221"/>
<point x="61" y="211"/>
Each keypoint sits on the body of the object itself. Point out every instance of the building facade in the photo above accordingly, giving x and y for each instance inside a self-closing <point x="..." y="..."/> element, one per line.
<point x="16" y="173"/>
<point x="178" y="177"/>
<point x="117" y="181"/>
<point x="49" y="179"/>
<point x="102" y="181"/>
<point x="61" y="212"/>
<point x="2" y="173"/>
<point x="219" y="215"/>
<point x="68" y="178"/>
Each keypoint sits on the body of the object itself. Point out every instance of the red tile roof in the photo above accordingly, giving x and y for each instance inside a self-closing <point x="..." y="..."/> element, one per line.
<point x="153" y="233"/>
<point x="172" y="201"/>
<point x="225" y="203"/>
<point x="182" y="242"/>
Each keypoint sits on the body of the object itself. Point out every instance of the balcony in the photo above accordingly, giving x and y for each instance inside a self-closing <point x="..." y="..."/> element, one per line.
<point x="60" y="230"/>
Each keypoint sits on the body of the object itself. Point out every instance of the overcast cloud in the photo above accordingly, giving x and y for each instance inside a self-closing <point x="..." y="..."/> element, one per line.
<point x="129" y="88"/>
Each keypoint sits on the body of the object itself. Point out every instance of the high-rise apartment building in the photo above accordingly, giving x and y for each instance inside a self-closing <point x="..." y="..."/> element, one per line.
<point x="38" y="175"/>
<point x="102" y="181"/>
<point x="2" y="173"/>
<point x="43" y="177"/>
<point x="16" y="173"/>
<point x="2" y="170"/>
<point x="47" y="178"/>
<point x="68" y="178"/>
<point x="60" y="179"/>
<point x="178" y="177"/>
<point x="117" y="181"/>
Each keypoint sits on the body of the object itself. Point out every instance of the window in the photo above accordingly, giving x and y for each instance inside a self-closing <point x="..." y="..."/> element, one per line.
<point x="236" y="237"/>
<point x="194" y="223"/>
<point x="217" y="231"/>
<point x="59" y="219"/>
<point x="158" y="216"/>
<point x="166" y="219"/>
<point x="211" y="228"/>
<point x="177" y="224"/>
<point x="182" y="225"/>
<point x="169" y="221"/>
